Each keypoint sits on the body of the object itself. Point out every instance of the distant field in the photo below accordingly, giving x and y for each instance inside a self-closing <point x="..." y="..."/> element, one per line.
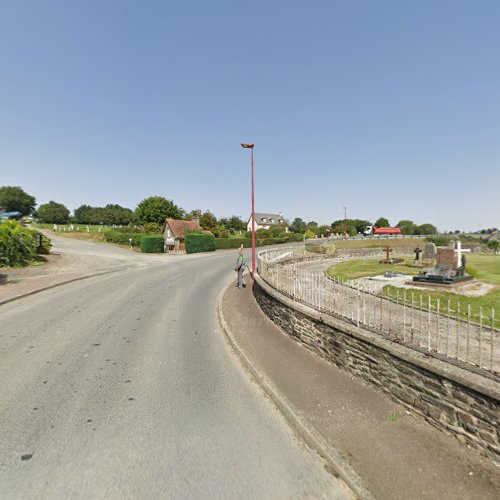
<point x="371" y="243"/>
<point x="77" y="228"/>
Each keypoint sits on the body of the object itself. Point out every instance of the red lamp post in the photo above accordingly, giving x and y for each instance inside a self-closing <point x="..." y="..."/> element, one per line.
<point x="251" y="146"/>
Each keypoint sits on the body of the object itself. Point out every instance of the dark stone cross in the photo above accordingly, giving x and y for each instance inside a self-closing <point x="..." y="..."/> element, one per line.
<point x="387" y="250"/>
<point x="417" y="253"/>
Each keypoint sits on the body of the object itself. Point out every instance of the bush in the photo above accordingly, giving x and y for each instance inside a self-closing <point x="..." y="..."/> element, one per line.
<point x="121" y="238"/>
<point x="225" y="243"/>
<point x="152" y="228"/>
<point x="18" y="245"/>
<point x="44" y="243"/>
<point x="439" y="241"/>
<point x="199" y="242"/>
<point x="152" y="244"/>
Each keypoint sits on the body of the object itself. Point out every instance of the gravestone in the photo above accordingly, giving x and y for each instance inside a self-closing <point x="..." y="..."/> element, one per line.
<point x="477" y="249"/>
<point x="417" y="251"/>
<point x="447" y="256"/>
<point x="388" y="259"/>
<point x="449" y="268"/>
<point x="430" y="251"/>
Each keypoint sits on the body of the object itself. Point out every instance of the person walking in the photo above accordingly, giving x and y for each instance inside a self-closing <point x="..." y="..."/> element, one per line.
<point x="240" y="269"/>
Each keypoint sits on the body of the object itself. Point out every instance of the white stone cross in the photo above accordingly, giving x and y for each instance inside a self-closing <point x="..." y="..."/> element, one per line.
<point x="458" y="251"/>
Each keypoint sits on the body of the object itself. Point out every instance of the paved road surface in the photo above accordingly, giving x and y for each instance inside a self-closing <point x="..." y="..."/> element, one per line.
<point x="121" y="386"/>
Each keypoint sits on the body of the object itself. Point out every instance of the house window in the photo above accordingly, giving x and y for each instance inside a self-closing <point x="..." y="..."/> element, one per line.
<point x="264" y="219"/>
<point x="272" y="221"/>
<point x="281" y="221"/>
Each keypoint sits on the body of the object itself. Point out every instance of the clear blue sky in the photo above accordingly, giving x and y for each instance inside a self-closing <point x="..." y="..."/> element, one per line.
<point x="387" y="107"/>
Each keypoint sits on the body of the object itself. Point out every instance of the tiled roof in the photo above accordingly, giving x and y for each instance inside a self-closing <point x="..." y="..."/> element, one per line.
<point x="180" y="228"/>
<point x="259" y="219"/>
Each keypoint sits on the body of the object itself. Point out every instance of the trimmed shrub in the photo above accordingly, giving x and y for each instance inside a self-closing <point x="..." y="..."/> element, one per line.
<point x="121" y="238"/>
<point x="224" y="243"/>
<point x="199" y="242"/>
<point x="18" y="245"/>
<point x="152" y="244"/>
<point x="44" y="243"/>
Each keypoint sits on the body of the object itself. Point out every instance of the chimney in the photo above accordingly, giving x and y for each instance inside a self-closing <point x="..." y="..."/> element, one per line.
<point x="196" y="219"/>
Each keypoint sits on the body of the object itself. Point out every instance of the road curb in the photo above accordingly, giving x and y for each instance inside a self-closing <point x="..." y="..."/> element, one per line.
<point x="312" y="438"/>
<point x="54" y="285"/>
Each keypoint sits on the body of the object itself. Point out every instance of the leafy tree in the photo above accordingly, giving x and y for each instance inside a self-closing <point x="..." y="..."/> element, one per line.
<point x="406" y="226"/>
<point x="494" y="244"/>
<point x="15" y="199"/>
<point x="115" y="214"/>
<point x="52" y="213"/>
<point x="382" y="222"/>
<point x="298" y="225"/>
<point x="157" y="209"/>
<point x="208" y="221"/>
<point x="309" y="234"/>
<point x="324" y="230"/>
<point x="82" y="214"/>
<point x="426" y="229"/>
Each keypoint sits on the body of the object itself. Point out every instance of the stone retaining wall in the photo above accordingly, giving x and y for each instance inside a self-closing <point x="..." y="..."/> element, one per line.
<point x="458" y="401"/>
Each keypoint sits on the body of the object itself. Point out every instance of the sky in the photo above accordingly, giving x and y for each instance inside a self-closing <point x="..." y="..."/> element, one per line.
<point x="389" y="108"/>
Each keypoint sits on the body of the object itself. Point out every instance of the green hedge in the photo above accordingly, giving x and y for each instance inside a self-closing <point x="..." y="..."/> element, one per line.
<point x="199" y="242"/>
<point x="121" y="238"/>
<point x="224" y="243"/>
<point x="18" y="245"/>
<point x="44" y="243"/>
<point x="152" y="244"/>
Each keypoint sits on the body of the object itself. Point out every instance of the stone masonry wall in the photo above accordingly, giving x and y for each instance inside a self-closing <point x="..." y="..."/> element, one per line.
<point x="457" y="401"/>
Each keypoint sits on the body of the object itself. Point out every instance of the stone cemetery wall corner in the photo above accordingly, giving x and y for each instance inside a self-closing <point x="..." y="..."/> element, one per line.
<point x="457" y="401"/>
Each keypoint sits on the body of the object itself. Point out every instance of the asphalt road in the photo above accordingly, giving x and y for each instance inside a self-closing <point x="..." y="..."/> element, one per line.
<point x="122" y="386"/>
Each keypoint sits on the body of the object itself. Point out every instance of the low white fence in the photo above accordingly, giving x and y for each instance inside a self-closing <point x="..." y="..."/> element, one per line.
<point x="442" y="329"/>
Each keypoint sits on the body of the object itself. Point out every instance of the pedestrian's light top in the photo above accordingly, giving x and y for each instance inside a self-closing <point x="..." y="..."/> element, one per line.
<point x="247" y="145"/>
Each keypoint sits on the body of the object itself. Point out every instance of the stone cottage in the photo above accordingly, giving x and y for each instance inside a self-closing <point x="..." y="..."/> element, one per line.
<point x="175" y="230"/>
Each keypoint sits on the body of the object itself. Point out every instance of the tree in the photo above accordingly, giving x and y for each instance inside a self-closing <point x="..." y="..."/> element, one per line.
<point x="235" y="222"/>
<point x="116" y="215"/>
<point x="324" y="230"/>
<point x="425" y="229"/>
<point x="298" y="225"/>
<point x="157" y="209"/>
<point x="341" y="226"/>
<point x="82" y="214"/>
<point x="52" y="213"/>
<point x="406" y="226"/>
<point x="382" y="222"/>
<point x="208" y="221"/>
<point x="15" y="199"/>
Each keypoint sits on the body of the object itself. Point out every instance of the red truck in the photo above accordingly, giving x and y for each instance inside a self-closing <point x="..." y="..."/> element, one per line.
<point x="381" y="230"/>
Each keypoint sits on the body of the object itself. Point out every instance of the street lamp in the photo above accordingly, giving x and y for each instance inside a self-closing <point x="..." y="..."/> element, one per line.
<point x="251" y="146"/>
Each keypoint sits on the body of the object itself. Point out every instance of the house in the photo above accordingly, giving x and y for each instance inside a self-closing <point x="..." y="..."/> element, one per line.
<point x="175" y="230"/>
<point x="266" y="221"/>
<point x="494" y="236"/>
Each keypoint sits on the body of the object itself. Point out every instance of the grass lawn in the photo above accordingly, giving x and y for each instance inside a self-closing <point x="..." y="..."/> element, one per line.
<point x="363" y="268"/>
<point x="371" y="243"/>
<point x="483" y="267"/>
<point x="66" y="228"/>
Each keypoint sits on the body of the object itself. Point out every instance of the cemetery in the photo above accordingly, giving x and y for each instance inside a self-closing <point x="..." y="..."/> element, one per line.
<point x="470" y="284"/>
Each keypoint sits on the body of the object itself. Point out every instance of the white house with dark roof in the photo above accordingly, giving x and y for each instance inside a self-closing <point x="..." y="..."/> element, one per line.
<point x="266" y="221"/>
